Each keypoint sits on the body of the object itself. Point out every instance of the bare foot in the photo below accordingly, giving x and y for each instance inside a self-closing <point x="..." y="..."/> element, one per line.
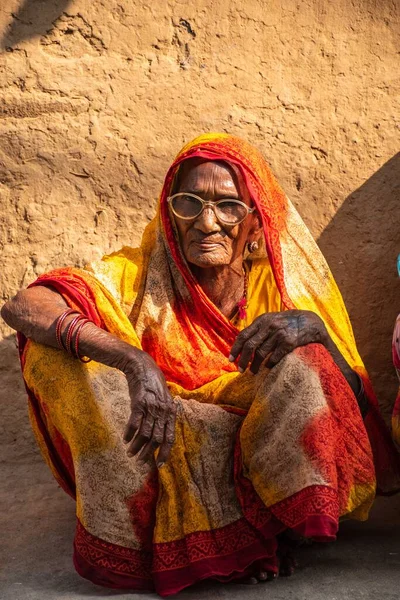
<point x="287" y="565"/>
<point x="288" y="543"/>
<point x="260" y="575"/>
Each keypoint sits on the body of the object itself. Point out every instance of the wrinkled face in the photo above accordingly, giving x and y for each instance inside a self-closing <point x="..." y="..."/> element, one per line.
<point x="204" y="241"/>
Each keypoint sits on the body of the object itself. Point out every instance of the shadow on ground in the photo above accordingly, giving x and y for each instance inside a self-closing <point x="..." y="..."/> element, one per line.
<point x="361" y="244"/>
<point x="33" y="18"/>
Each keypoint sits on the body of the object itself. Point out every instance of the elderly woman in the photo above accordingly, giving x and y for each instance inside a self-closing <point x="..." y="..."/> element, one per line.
<point x="201" y="394"/>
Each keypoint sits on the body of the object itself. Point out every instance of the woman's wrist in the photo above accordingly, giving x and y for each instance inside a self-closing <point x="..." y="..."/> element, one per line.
<point x="104" y="347"/>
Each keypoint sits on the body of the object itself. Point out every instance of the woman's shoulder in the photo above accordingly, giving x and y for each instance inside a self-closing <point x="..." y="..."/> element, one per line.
<point x="124" y="258"/>
<point x="119" y="272"/>
<point x="126" y="253"/>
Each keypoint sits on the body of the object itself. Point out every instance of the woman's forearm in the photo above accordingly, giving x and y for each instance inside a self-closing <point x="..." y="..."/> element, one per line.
<point x="35" y="311"/>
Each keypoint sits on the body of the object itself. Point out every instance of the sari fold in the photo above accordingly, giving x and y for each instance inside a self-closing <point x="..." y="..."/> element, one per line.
<point x="253" y="455"/>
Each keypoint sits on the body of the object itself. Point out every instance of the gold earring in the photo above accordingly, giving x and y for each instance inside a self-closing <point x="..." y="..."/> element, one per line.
<point x="252" y="246"/>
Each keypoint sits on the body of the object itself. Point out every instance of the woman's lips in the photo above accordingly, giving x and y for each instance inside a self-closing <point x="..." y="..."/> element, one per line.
<point x="203" y="245"/>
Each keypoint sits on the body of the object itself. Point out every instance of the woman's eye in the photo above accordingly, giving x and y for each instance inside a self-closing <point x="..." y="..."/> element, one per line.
<point x="230" y="206"/>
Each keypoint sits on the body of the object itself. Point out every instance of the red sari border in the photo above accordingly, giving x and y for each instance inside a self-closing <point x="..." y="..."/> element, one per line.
<point x="223" y="554"/>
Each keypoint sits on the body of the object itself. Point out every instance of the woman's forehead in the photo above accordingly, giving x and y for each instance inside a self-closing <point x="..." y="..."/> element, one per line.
<point x="197" y="172"/>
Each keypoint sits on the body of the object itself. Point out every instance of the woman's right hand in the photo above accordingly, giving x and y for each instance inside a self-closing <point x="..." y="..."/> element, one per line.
<point x="152" y="421"/>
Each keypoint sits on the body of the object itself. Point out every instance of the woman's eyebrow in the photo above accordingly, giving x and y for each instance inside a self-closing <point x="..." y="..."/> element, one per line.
<point x="220" y="194"/>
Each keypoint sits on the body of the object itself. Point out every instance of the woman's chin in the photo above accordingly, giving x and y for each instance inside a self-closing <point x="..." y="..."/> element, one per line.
<point x="207" y="259"/>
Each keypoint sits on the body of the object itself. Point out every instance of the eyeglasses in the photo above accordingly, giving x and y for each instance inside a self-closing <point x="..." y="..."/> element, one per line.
<point x="189" y="207"/>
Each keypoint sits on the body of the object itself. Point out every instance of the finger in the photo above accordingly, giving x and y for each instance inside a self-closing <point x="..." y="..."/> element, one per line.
<point x="143" y="435"/>
<point x="168" y="441"/>
<point x="280" y="352"/>
<point x="241" y="339"/>
<point x="262" y="353"/>
<point x="248" y="350"/>
<point x="147" y="451"/>
<point x="133" y="426"/>
<point x="156" y="439"/>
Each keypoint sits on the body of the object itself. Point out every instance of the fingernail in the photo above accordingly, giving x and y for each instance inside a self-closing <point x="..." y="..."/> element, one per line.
<point x="231" y="358"/>
<point x="161" y="464"/>
<point x="130" y="454"/>
<point x="240" y="370"/>
<point x="124" y="441"/>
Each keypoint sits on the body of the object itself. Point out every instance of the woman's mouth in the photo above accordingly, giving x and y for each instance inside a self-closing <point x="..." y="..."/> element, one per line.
<point x="206" y="245"/>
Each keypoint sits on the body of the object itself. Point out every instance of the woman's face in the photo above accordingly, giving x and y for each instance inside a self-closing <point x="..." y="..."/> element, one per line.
<point x="204" y="241"/>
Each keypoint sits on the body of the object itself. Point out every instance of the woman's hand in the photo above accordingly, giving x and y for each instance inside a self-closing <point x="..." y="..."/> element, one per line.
<point x="273" y="335"/>
<point x="152" y="421"/>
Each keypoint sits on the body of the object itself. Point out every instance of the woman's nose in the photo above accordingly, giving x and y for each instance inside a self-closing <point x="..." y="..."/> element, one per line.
<point x="207" y="221"/>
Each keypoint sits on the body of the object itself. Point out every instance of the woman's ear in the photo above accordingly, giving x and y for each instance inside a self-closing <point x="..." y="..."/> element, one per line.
<point x="256" y="230"/>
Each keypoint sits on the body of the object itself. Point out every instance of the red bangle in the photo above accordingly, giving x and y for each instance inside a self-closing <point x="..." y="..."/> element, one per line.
<point x="76" y="342"/>
<point x="71" y="328"/>
<point x="74" y="327"/>
<point x="59" y="325"/>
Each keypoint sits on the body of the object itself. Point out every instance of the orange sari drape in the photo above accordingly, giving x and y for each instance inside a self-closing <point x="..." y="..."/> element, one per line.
<point x="253" y="455"/>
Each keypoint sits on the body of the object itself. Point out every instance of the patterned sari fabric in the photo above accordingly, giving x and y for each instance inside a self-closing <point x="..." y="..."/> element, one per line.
<point x="253" y="455"/>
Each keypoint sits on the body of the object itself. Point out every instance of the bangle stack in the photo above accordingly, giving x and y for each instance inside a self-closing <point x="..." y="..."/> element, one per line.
<point x="72" y="332"/>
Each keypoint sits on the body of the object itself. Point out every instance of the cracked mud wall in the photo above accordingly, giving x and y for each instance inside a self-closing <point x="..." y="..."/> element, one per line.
<point x="97" y="97"/>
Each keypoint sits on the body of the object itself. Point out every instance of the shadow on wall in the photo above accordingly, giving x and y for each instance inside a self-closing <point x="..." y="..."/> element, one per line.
<point x="33" y="18"/>
<point x="361" y="244"/>
<point x="17" y="441"/>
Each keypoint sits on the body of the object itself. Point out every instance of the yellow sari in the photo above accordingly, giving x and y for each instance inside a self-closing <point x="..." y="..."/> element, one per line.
<point x="253" y="455"/>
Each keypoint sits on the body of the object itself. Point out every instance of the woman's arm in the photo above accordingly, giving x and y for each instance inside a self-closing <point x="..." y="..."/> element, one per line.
<point x="35" y="311"/>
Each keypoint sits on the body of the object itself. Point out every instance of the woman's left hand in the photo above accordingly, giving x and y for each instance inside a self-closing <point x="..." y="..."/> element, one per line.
<point x="273" y="335"/>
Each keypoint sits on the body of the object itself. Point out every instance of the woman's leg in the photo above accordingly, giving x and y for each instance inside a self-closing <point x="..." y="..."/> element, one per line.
<point x="304" y="446"/>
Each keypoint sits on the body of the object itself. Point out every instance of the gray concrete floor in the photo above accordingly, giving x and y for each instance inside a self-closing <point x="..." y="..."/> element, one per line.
<point x="37" y="525"/>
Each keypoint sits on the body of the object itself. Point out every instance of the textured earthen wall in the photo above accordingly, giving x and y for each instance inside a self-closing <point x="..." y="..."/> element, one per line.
<point x="97" y="97"/>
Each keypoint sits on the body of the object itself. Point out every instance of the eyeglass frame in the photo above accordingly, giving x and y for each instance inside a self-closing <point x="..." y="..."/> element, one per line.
<point x="250" y="209"/>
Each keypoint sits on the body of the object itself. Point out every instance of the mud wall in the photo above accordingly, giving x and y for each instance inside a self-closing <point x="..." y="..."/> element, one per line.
<point x="97" y="97"/>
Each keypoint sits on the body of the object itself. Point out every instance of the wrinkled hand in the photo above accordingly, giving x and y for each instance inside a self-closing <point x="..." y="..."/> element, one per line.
<point x="152" y="421"/>
<point x="273" y="335"/>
